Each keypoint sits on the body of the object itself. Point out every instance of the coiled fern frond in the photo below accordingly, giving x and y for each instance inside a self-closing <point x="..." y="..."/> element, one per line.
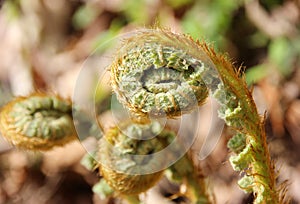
<point x="39" y="121"/>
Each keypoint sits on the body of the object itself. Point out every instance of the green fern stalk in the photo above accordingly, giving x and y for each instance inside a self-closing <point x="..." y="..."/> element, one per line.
<point x="239" y="111"/>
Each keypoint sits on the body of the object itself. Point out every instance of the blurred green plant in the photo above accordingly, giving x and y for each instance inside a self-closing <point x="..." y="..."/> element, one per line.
<point x="135" y="11"/>
<point x="178" y="3"/>
<point x="12" y="9"/>
<point x="104" y="41"/>
<point x="282" y="57"/>
<point x="84" y="16"/>
<point x="210" y="19"/>
<point x="282" y="54"/>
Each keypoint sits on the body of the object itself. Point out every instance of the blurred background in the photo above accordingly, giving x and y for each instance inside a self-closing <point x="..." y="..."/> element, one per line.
<point x="45" y="43"/>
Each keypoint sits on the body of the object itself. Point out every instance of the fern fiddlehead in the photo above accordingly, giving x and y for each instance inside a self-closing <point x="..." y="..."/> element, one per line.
<point x="130" y="165"/>
<point x="37" y="122"/>
<point x="158" y="73"/>
<point x="125" y="154"/>
<point x="166" y="81"/>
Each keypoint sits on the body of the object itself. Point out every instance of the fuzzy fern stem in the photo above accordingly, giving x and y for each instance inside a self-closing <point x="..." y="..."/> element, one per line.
<point x="240" y="112"/>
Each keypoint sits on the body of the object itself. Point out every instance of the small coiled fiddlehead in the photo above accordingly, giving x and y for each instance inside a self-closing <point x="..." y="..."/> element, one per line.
<point x="118" y="148"/>
<point x="37" y="122"/>
<point x="147" y="76"/>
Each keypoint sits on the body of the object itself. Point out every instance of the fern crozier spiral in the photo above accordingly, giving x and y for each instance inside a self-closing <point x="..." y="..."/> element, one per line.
<point x="37" y="122"/>
<point x="154" y="75"/>
<point x="125" y="156"/>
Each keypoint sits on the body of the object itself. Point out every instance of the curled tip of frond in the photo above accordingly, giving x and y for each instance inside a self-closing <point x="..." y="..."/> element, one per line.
<point x="117" y="164"/>
<point x="39" y="121"/>
<point x="166" y="70"/>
